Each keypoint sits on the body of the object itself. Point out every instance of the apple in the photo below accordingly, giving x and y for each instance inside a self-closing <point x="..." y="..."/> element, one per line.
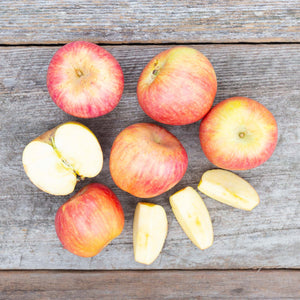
<point x="193" y="216"/>
<point x="89" y="220"/>
<point x="228" y="188"/>
<point x="146" y="160"/>
<point x="150" y="227"/>
<point x="238" y="134"/>
<point x="58" y="158"/>
<point x="177" y="87"/>
<point x="85" y="80"/>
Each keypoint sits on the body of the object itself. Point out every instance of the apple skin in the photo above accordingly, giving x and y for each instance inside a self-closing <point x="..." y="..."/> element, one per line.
<point x="238" y="134"/>
<point x="89" y="220"/>
<point x="177" y="87"/>
<point x="146" y="160"/>
<point x="85" y="80"/>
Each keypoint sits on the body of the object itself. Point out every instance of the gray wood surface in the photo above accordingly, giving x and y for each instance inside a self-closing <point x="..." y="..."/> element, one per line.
<point x="279" y="284"/>
<point x="267" y="237"/>
<point x="144" y="21"/>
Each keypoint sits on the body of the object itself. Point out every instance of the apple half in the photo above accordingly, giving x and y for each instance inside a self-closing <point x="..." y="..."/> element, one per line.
<point x="55" y="160"/>
<point x="193" y="216"/>
<point x="150" y="226"/>
<point x="228" y="188"/>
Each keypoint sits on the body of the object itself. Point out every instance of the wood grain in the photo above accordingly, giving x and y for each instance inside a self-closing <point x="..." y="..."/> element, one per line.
<point x="143" y="21"/>
<point x="267" y="237"/>
<point x="150" y="285"/>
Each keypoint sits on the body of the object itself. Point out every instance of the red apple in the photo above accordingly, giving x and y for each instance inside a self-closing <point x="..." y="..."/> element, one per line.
<point x="85" y="80"/>
<point x="238" y="134"/>
<point x="146" y="160"/>
<point x="90" y="220"/>
<point x="178" y="86"/>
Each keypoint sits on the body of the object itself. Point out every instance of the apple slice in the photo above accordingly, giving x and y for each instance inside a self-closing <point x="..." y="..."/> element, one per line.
<point x="192" y="215"/>
<point x="228" y="188"/>
<point x="55" y="159"/>
<point x="150" y="228"/>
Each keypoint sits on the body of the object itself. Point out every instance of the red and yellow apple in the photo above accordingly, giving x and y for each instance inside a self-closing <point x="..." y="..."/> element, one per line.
<point x="238" y="134"/>
<point x="146" y="160"/>
<point x="56" y="160"/>
<point x="177" y="87"/>
<point x="85" y="80"/>
<point x="89" y="220"/>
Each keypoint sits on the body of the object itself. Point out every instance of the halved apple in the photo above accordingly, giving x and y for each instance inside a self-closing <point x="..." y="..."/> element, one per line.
<point x="150" y="228"/>
<point x="228" y="188"/>
<point x="54" y="160"/>
<point x="192" y="215"/>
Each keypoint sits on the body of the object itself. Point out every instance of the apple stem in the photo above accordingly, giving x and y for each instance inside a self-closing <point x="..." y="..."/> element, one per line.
<point x="155" y="72"/>
<point x="79" y="178"/>
<point x="242" y="135"/>
<point x="78" y="72"/>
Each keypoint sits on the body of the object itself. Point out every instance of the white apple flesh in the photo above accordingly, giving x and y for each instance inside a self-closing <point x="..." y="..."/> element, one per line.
<point x="54" y="160"/>
<point x="150" y="228"/>
<point x="193" y="216"/>
<point x="228" y="188"/>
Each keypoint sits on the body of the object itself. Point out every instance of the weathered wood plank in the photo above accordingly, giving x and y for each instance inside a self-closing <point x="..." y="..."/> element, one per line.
<point x="144" y="21"/>
<point x="271" y="284"/>
<point x="267" y="237"/>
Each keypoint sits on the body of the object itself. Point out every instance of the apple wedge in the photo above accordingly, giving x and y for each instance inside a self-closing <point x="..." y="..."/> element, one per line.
<point x="55" y="160"/>
<point x="228" y="188"/>
<point x="192" y="215"/>
<point x="150" y="228"/>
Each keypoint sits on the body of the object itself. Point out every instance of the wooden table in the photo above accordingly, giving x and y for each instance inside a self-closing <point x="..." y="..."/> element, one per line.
<point x="254" y="48"/>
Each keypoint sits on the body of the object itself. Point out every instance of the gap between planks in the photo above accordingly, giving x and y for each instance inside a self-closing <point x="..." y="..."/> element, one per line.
<point x="152" y="44"/>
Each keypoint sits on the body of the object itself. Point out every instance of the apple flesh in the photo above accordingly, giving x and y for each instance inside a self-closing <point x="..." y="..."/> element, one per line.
<point x="85" y="80"/>
<point x="150" y="227"/>
<point x="146" y="160"/>
<point x="89" y="220"/>
<point x="238" y="134"/>
<point x="55" y="160"/>
<point x="193" y="216"/>
<point x="177" y="87"/>
<point x="228" y="188"/>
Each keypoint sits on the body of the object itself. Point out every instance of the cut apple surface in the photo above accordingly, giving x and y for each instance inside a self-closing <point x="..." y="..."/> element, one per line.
<point x="150" y="228"/>
<point x="228" y="188"/>
<point x="192" y="215"/>
<point x="54" y="160"/>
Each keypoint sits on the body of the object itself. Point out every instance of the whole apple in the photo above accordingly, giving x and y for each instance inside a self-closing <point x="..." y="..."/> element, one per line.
<point x="146" y="160"/>
<point x="90" y="220"/>
<point x="85" y="80"/>
<point x="238" y="134"/>
<point x="177" y="87"/>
